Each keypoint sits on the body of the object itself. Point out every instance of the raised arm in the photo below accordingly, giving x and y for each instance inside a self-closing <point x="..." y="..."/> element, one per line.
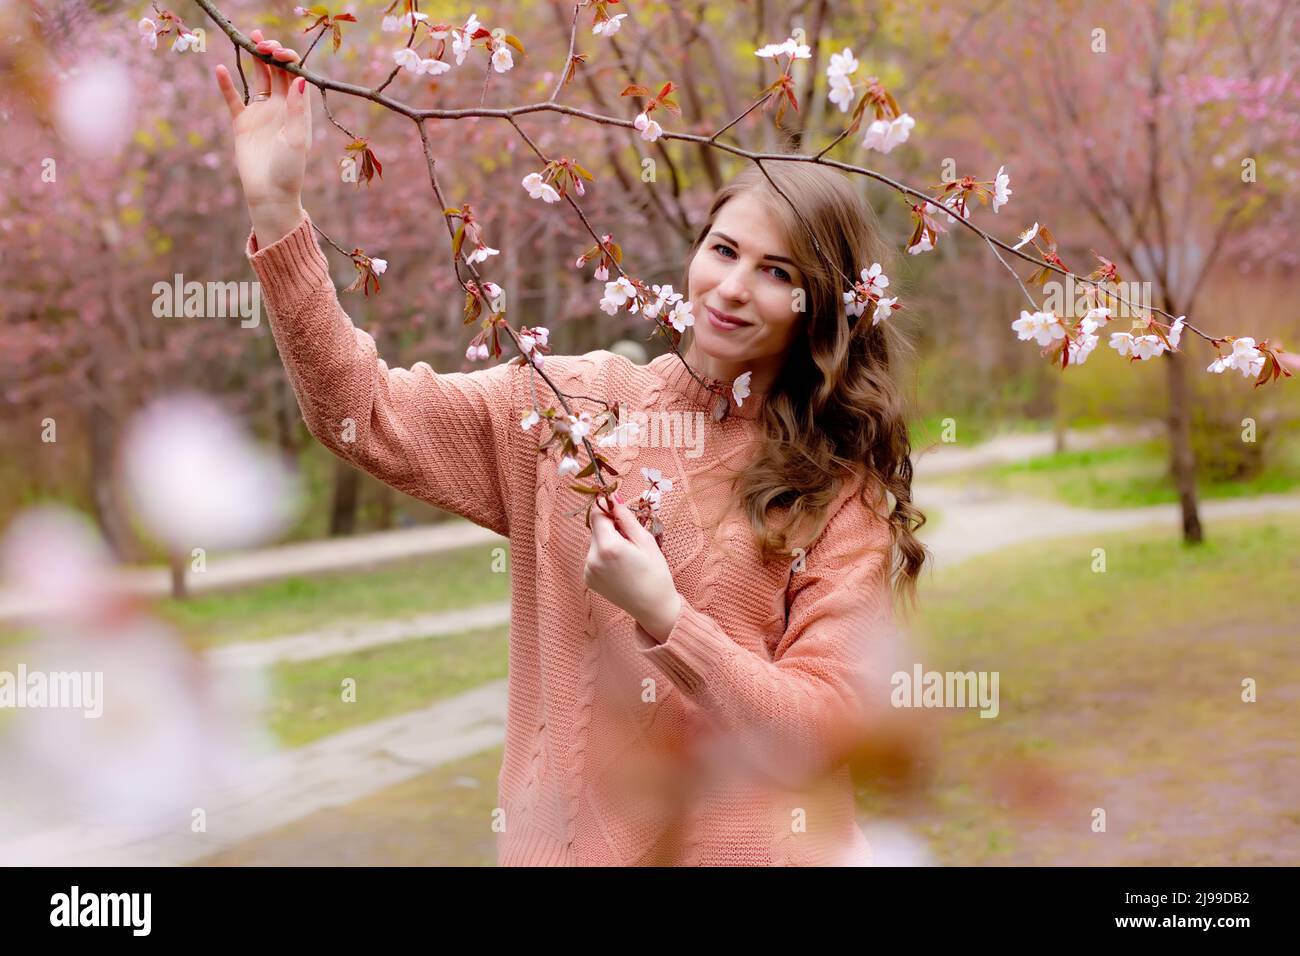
<point x="447" y="439"/>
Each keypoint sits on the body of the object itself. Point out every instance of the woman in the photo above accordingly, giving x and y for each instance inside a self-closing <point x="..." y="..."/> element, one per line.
<point x="690" y="704"/>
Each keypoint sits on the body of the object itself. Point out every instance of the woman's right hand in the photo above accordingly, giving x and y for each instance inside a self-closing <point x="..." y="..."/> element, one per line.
<point x="272" y="137"/>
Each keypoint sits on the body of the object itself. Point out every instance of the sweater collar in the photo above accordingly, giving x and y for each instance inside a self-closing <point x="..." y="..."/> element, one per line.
<point x="678" y="380"/>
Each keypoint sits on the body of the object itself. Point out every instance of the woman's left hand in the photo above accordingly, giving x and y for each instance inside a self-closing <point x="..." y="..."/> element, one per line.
<point x="626" y="567"/>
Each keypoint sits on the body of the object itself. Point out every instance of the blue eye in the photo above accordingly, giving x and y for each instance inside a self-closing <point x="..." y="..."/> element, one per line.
<point x="729" y="253"/>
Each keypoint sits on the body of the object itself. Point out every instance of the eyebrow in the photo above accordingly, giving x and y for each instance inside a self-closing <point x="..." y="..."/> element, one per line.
<point x="723" y="235"/>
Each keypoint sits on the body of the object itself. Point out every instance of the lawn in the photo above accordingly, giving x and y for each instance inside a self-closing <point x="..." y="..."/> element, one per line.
<point x="1125" y="476"/>
<point x="306" y="698"/>
<point x="442" y="582"/>
<point x="1119" y="690"/>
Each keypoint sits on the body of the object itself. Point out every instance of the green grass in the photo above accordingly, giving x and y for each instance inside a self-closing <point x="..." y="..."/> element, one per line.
<point x="443" y="582"/>
<point x="1124" y="689"/>
<point x="1125" y="476"/>
<point x="306" y="697"/>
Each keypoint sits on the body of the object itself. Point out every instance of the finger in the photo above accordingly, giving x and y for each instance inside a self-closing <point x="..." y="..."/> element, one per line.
<point x="283" y="77"/>
<point x="263" y="71"/>
<point x="630" y="527"/>
<point x="603" y="532"/>
<point x="227" y="86"/>
<point x="299" y="114"/>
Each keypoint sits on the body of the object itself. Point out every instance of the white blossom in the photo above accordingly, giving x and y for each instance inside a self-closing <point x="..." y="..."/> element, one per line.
<point x="148" y="33"/>
<point x="1042" y="327"/>
<point x="608" y="28"/>
<point x="649" y="129"/>
<point x="502" y="60"/>
<point x="740" y="387"/>
<point x="1001" y="189"/>
<point x="884" y="135"/>
<point x="1026" y="236"/>
<point x="883" y="307"/>
<point x="540" y="190"/>
<point x="1245" y="358"/>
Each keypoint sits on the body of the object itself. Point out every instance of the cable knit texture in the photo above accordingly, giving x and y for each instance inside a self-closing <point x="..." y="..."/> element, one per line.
<point x="716" y="747"/>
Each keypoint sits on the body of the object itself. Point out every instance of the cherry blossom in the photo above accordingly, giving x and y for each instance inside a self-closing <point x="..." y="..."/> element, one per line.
<point x="664" y="295"/>
<point x="481" y="253"/>
<point x="1176" y="330"/>
<point x="617" y="294"/>
<point x="1245" y="358"/>
<point x="1079" y="350"/>
<point x="740" y="388"/>
<point x="380" y="266"/>
<point x="681" y="316"/>
<point x="148" y="33"/>
<point x="477" y="351"/>
<point x="1141" y="347"/>
<point x="875" y="279"/>
<point x="842" y="64"/>
<point x="791" y="48"/>
<point x="1002" y="189"/>
<point x="530" y="419"/>
<point x="184" y="41"/>
<point x="1042" y="327"/>
<point x="622" y="434"/>
<point x="921" y="245"/>
<point x="608" y="27"/>
<point x="392" y="24"/>
<point x="884" y="306"/>
<point x="534" y="343"/>
<point x="658" y="486"/>
<point x="841" y="92"/>
<point x="462" y="39"/>
<point x="540" y="190"/>
<point x="502" y="60"/>
<point x="884" y="135"/>
<point x="569" y="466"/>
<point x="1026" y="236"/>
<point x="650" y="130"/>
<point x="841" y="87"/>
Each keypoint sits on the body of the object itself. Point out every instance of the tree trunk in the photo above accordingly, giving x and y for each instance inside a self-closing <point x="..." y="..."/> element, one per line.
<point x="177" y="562"/>
<point x="343" y="513"/>
<point x="1182" y="460"/>
<point x="385" y="509"/>
<point x="102" y="436"/>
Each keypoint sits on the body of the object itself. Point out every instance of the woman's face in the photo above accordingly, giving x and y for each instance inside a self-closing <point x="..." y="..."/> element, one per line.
<point x="744" y="269"/>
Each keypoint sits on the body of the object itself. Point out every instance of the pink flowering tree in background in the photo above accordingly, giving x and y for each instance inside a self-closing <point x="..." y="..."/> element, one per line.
<point x="544" y="194"/>
<point x="1170" y="133"/>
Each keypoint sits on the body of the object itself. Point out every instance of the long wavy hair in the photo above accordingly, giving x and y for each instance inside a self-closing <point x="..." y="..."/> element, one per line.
<point x="834" y="415"/>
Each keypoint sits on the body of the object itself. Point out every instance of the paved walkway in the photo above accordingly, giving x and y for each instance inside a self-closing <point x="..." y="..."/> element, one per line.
<point x="281" y="788"/>
<point x="306" y="557"/>
<point x="328" y="642"/>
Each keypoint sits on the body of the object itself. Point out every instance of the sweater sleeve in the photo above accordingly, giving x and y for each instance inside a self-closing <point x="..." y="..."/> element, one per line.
<point x="444" y="438"/>
<point x="795" y="717"/>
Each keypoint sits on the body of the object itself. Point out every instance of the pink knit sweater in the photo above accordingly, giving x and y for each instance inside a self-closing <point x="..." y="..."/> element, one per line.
<point x="716" y="747"/>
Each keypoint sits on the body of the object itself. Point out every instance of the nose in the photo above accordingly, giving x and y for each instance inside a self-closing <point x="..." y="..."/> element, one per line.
<point x="733" y="286"/>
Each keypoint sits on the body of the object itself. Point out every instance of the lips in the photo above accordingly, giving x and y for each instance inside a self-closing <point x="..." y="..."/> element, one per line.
<point x="724" y="321"/>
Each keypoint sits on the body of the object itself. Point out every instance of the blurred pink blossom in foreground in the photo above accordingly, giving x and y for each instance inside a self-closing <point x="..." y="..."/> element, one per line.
<point x="197" y="480"/>
<point x="93" y="107"/>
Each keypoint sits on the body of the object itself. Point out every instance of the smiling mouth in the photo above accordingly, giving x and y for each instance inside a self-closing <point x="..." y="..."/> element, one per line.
<point x="726" y="319"/>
